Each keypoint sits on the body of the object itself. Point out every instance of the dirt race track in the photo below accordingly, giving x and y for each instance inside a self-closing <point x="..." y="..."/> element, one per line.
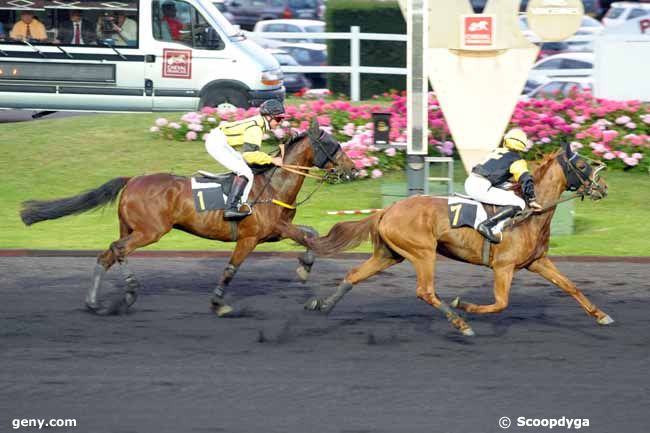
<point x="383" y="361"/>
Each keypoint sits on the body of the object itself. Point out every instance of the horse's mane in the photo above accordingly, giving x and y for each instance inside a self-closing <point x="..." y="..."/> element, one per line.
<point x="545" y="164"/>
<point x="293" y="139"/>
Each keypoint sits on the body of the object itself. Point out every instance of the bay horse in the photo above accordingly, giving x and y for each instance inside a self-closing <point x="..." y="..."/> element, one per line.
<point x="152" y="205"/>
<point x="416" y="228"/>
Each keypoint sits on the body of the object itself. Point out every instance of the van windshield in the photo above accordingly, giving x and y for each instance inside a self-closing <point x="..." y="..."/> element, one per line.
<point x="230" y="30"/>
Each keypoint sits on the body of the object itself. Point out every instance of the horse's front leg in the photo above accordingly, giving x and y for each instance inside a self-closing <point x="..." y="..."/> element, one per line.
<point x="243" y="248"/>
<point x="502" y="282"/>
<point x="547" y="269"/>
<point x="299" y="234"/>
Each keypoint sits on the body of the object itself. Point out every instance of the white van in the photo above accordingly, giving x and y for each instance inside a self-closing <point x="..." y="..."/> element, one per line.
<point x="133" y="55"/>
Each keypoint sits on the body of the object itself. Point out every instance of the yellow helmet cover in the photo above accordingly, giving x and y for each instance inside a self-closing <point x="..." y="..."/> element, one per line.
<point x="515" y="139"/>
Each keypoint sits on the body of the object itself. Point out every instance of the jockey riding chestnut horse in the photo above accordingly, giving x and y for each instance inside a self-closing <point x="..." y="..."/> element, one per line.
<point x="418" y="228"/>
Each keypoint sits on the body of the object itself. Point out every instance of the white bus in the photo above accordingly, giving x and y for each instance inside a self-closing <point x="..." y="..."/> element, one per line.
<point x="131" y="55"/>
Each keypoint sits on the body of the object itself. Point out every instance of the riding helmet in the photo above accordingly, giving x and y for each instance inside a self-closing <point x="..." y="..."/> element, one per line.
<point x="272" y="107"/>
<point x="516" y="140"/>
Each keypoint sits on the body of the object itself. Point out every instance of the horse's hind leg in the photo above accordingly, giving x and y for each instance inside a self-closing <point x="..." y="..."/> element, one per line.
<point x="502" y="282"/>
<point x="380" y="260"/>
<point x="118" y="252"/>
<point x="104" y="263"/>
<point x="547" y="269"/>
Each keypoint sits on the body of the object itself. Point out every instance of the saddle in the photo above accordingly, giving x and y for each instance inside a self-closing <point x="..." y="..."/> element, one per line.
<point x="464" y="211"/>
<point x="211" y="190"/>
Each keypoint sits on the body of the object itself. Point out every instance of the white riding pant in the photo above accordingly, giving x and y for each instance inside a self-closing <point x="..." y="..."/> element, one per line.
<point x="479" y="188"/>
<point x="217" y="146"/>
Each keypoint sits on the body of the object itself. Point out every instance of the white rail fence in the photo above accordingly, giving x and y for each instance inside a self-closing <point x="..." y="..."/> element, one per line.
<point x="355" y="69"/>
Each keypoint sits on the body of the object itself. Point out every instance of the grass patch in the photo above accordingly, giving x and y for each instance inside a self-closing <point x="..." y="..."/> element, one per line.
<point x="62" y="157"/>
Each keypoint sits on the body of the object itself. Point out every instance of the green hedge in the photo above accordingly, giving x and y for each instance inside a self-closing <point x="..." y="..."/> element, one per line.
<point x="372" y="16"/>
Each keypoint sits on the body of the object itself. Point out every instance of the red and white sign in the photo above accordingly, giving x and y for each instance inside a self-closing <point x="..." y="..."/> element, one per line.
<point x="644" y="26"/>
<point x="177" y="63"/>
<point x="477" y="32"/>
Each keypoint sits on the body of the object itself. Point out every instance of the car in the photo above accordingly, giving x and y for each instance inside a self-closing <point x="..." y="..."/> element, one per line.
<point x="221" y="7"/>
<point x="560" y="86"/>
<point x="293" y="81"/>
<point x="293" y="26"/>
<point x="561" y="65"/>
<point x="619" y="12"/>
<point x="248" y="12"/>
<point x="593" y="8"/>
<point x="309" y="54"/>
<point x="588" y="25"/>
<point x="530" y="86"/>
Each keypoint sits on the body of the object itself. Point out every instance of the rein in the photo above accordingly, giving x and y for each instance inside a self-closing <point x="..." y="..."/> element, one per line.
<point x="585" y="181"/>
<point x="296" y="169"/>
<point x="524" y="215"/>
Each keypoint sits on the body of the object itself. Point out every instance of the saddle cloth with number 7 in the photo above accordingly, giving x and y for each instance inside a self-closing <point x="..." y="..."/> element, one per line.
<point x="466" y="212"/>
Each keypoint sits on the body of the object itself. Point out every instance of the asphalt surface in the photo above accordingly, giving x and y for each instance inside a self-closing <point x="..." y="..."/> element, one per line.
<point x="11" y="116"/>
<point x="383" y="361"/>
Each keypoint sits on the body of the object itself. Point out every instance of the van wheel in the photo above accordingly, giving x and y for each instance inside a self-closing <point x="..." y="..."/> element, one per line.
<point x="223" y="97"/>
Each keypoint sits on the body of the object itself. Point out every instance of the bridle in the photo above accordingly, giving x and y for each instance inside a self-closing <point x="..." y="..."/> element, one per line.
<point x="584" y="181"/>
<point x="325" y="147"/>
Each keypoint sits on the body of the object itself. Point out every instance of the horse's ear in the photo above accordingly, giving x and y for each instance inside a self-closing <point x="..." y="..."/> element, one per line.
<point x="314" y="130"/>
<point x="314" y="127"/>
<point x="567" y="149"/>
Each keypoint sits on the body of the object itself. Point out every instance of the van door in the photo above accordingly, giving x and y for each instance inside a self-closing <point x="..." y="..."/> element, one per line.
<point x="182" y="56"/>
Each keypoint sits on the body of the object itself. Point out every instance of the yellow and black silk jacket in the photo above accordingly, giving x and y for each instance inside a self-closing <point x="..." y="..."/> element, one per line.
<point x="247" y="134"/>
<point x="501" y="164"/>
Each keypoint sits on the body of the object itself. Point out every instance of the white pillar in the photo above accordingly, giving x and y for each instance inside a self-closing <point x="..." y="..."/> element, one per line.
<point x="355" y="62"/>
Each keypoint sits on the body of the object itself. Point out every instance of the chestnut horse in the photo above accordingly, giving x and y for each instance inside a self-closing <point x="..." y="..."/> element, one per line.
<point x="418" y="227"/>
<point x="150" y="206"/>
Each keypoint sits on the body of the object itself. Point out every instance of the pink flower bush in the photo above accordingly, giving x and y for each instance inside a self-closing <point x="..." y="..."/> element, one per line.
<point x="613" y="131"/>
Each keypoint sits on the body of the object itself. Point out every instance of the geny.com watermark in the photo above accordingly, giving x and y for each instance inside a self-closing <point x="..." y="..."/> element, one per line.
<point x="17" y="423"/>
<point x="550" y="423"/>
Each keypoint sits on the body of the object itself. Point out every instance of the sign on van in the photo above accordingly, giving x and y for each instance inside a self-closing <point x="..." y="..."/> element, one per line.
<point x="177" y="63"/>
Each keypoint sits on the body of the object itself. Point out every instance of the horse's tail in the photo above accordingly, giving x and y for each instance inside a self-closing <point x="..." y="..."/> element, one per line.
<point x="346" y="235"/>
<point x="34" y="211"/>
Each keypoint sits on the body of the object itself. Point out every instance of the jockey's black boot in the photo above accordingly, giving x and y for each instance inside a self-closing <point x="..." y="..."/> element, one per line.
<point x="232" y="206"/>
<point x="485" y="228"/>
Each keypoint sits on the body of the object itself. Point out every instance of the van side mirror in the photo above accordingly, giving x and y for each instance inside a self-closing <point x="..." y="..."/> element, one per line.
<point x="212" y="39"/>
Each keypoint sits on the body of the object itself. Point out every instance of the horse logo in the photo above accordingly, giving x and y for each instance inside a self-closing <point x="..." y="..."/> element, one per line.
<point x="478" y="26"/>
<point x="177" y="63"/>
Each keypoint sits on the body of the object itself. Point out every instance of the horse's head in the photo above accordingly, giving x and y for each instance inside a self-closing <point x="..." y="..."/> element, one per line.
<point x="329" y="155"/>
<point x="581" y="176"/>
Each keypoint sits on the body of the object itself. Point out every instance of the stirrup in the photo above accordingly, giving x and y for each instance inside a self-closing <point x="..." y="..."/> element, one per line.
<point x="236" y="214"/>
<point x="250" y="208"/>
<point x="489" y="234"/>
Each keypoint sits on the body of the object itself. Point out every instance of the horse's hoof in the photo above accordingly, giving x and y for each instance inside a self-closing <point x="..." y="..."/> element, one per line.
<point x="303" y="273"/>
<point x="455" y="303"/>
<point x="468" y="332"/>
<point x="605" y="320"/>
<point x="223" y="310"/>
<point x="314" y="304"/>
<point x="130" y="298"/>
<point x="93" y="306"/>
